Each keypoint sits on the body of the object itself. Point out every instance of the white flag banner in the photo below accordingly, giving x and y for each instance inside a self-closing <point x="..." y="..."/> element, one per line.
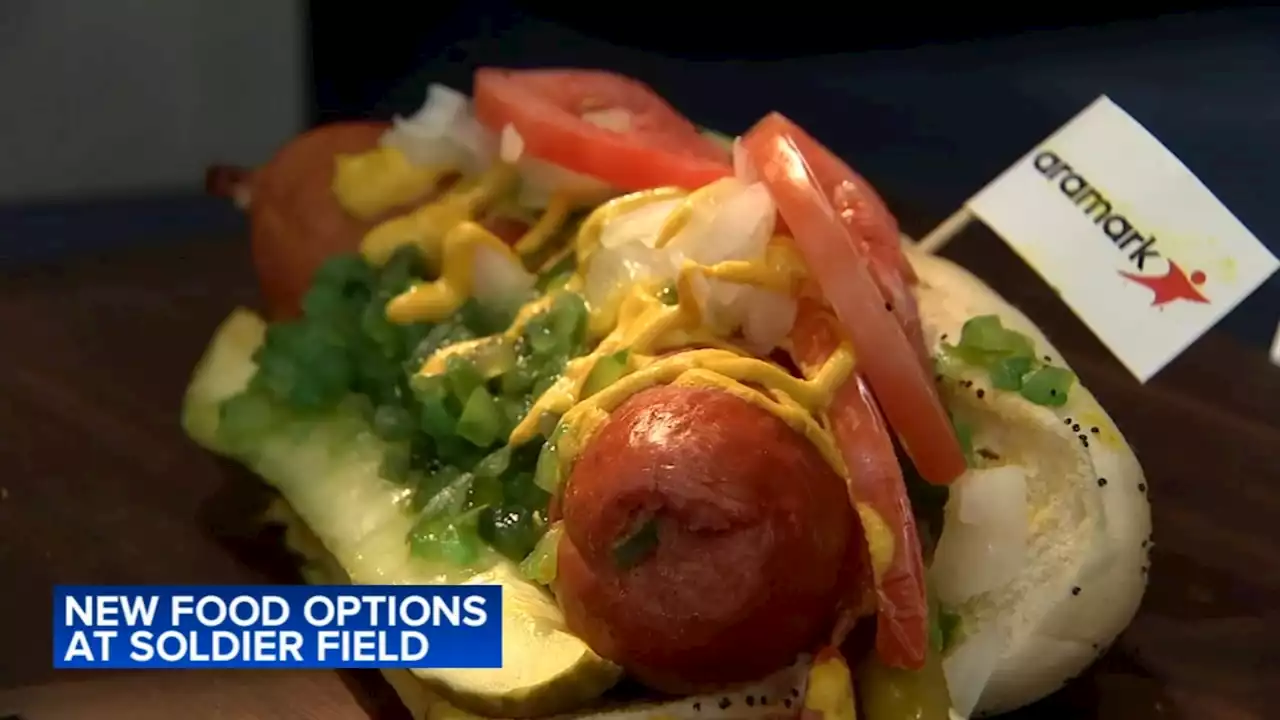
<point x="1134" y="243"/>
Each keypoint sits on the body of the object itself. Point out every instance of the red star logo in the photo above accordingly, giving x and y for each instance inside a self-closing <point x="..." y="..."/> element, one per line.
<point x="1173" y="285"/>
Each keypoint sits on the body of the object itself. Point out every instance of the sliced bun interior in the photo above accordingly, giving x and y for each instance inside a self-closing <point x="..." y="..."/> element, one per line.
<point x="1032" y="623"/>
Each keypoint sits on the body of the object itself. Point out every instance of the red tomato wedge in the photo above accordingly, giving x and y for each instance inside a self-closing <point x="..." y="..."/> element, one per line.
<point x="889" y="359"/>
<point x="873" y="229"/>
<point x="875" y="478"/>
<point x="600" y="124"/>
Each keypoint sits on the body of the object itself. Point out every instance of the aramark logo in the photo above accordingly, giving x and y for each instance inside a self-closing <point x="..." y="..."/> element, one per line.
<point x="1173" y="284"/>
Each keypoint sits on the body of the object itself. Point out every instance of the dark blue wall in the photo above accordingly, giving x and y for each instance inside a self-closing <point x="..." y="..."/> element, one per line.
<point x="928" y="125"/>
<point x="931" y="125"/>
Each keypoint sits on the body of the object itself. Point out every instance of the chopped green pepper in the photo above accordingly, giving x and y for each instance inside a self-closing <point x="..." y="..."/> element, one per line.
<point x="344" y="358"/>
<point x="494" y="464"/>
<point x="486" y="491"/>
<point x="430" y="485"/>
<point x="480" y="422"/>
<point x="944" y="626"/>
<point x="495" y="359"/>
<point x="512" y="530"/>
<point x="1006" y="373"/>
<point x="443" y="335"/>
<point x="948" y="628"/>
<point x="569" y="318"/>
<point x="549" y="372"/>
<point x="461" y="377"/>
<point x="1048" y="386"/>
<point x="520" y="379"/>
<point x="985" y="333"/>
<point x="607" y="371"/>
<point x="451" y="499"/>
<point x="436" y="419"/>
<point x="455" y="540"/>
<point x="540" y="565"/>
<point x="520" y="489"/>
<point x="512" y="411"/>
<point x="392" y="423"/>
<point x="548" y="473"/>
<point x="561" y="329"/>
<point x="1009" y="359"/>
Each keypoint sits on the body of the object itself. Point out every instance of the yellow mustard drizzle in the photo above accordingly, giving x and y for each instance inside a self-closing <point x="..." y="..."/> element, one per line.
<point x="437" y="300"/>
<point x="639" y="323"/>
<point x="428" y="226"/>
<point x="436" y="364"/>
<point x="679" y="218"/>
<point x="370" y="183"/>
<point x="588" y="239"/>
<point x="646" y="327"/>
<point x="782" y="270"/>
<point x="557" y="212"/>
<point x="880" y="541"/>
<point x="830" y="690"/>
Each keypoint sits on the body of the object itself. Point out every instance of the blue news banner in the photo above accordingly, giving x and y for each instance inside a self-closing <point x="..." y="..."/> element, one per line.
<point x="266" y="626"/>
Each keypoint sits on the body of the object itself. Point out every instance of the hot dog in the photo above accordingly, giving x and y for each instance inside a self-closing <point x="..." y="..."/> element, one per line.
<point x="695" y="428"/>
<point x="296" y="221"/>
<point x="705" y="541"/>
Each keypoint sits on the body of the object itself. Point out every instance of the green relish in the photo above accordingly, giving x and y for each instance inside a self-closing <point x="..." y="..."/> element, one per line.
<point x="445" y="434"/>
<point x="944" y="626"/>
<point x="1009" y="357"/>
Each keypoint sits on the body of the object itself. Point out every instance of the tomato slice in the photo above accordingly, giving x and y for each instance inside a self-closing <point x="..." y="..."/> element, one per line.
<point x="859" y="205"/>
<point x="839" y="260"/>
<point x="873" y="229"/>
<point x="600" y="124"/>
<point x="875" y="478"/>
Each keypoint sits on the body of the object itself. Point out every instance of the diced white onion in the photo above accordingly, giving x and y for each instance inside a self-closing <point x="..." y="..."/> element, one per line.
<point x="707" y="296"/>
<point x="768" y="319"/>
<point x="730" y="220"/>
<point x="445" y="132"/>
<point x="498" y="276"/>
<point x="970" y="665"/>
<point x="640" y="225"/>
<point x="734" y="223"/>
<point x="611" y="269"/>
<point x="984" y="537"/>
<point x="442" y="132"/>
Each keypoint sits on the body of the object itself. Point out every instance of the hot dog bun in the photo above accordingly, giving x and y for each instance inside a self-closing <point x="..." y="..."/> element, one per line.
<point x="755" y="540"/>
<point x="1087" y="549"/>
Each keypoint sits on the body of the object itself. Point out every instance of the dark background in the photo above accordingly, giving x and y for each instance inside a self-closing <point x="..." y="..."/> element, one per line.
<point x="101" y="487"/>
<point x="929" y="104"/>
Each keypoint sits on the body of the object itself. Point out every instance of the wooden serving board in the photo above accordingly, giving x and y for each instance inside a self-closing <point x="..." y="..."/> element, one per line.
<point x="99" y="485"/>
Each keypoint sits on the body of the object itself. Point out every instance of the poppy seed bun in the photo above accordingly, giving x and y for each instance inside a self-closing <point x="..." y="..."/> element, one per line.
<point x="1090" y="522"/>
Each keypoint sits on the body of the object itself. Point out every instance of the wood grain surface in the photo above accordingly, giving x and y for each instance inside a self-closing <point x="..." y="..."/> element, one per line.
<point x="98" y="485"/>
